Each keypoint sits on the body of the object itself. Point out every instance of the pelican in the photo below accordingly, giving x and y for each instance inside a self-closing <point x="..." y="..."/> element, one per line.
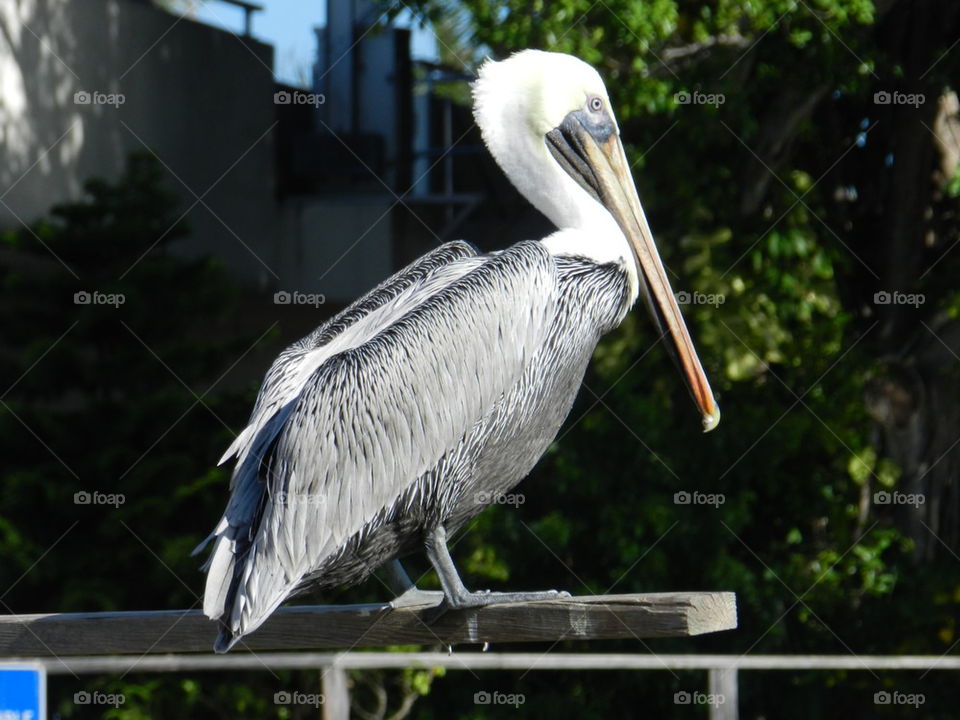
<point x="400" y="419"/>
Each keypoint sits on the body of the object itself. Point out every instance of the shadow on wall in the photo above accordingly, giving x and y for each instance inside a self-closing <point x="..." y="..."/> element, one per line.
<point x="83" y="84"/>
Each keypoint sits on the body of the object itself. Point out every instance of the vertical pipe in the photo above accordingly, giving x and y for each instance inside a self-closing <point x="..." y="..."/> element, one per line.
<point x="336" y="695"/>
<point x="722" y="685"/>
<point x="448" y="159"/>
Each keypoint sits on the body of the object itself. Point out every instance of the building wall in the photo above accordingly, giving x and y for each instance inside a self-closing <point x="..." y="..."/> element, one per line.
<point x="198" y="97"/>
<point x="338" y="246"/>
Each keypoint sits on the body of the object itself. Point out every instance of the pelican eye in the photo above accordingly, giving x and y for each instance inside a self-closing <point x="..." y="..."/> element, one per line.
<point x="595" y="104"/>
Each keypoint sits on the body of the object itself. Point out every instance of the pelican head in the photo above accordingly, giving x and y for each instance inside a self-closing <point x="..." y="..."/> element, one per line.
<point x="547" y="120"/>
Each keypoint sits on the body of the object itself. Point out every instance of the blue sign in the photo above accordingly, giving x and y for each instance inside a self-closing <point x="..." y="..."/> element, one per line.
<point x="23" y="692"/>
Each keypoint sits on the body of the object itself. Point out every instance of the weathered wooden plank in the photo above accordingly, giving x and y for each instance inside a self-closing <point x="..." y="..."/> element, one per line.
<point x="352" y="626"/>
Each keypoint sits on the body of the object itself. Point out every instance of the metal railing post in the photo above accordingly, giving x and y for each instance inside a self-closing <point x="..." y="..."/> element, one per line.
<point x="722" y="686"/>
<point x="336" y="694"/>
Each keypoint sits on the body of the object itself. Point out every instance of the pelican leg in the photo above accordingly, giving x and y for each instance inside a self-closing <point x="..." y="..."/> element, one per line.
<point x="407" y="593"/>
<point x="455" y="594"/>
<point x="397" y="577"/>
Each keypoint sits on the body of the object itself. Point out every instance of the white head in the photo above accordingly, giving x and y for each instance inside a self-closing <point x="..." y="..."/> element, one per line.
<point x="517" y="103"/>
<point x="547" y="120"/>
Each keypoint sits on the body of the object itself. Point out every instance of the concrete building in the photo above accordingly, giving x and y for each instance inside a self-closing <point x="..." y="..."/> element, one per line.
<point x="320" y="190"/>
<point x="83" y="84"/>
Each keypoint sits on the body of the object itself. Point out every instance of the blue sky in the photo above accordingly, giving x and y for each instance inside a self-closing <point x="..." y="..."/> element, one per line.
<point x="288" y="26"/>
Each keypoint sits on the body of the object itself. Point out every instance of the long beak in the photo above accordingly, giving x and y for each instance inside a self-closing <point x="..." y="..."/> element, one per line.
<point x="597" y="161"/>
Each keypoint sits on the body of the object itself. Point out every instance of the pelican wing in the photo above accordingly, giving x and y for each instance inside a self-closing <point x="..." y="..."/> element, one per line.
<point x="283" y="383"/>
<point x="372" y="410"/>
<point x="284" y="378"/>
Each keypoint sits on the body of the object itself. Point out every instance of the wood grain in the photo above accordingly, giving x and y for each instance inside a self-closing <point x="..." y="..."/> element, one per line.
<point x="355" y="626"/>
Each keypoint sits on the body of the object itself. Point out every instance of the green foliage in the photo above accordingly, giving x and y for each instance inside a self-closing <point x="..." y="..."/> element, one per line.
<point x="94" y="392"/>
<point x="953" y="186"/>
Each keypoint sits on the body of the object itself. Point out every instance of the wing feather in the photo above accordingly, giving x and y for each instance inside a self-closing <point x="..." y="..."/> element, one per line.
<point x="372" y="418"/>
<point x="284" y="380"/>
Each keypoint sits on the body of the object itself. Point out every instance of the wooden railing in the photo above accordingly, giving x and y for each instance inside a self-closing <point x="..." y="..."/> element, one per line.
<point x="134" y="641"/>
